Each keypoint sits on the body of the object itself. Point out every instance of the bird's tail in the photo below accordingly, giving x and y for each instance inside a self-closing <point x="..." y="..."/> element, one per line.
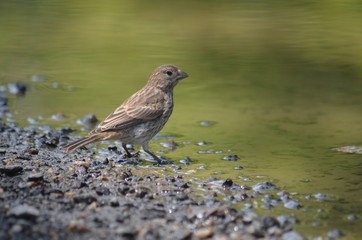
<point x="81" y="142"/>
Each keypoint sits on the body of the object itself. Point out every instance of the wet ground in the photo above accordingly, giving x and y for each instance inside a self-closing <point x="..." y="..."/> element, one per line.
<point x="47" y="194"/>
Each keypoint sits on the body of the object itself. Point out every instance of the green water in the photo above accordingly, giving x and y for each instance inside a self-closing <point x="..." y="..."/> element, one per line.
<point x="281" y="82"/>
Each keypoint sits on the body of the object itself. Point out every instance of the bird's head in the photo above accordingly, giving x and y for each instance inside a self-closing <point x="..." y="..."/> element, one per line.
<point x="166" y="77"/>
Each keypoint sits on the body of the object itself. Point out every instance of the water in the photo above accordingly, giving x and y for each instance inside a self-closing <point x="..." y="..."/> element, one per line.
<point x="280" y="82"/>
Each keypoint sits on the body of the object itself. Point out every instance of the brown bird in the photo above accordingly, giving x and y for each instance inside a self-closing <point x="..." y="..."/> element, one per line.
<point x="141" y="116"/>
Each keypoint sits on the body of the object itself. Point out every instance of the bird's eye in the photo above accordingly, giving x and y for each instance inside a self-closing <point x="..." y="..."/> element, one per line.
<point x="169" y="73"/>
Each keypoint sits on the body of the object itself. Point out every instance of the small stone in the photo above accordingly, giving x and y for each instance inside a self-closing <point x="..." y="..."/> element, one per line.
<point x="228" y="183"/>
<point x="205" y="123"/>
<point x="265" y="186"/>
<point x="18" y="88"/>
<point x="204" y="233"/>
<point x="292" y="236"/>
<point x="203" y="143"/>
<point x="292" y="205"/>
<point x="187" y="161"/>
<point x="35" y="177"/>
<point x="24" y="212"/>
<point x="114" y="202"/>
<point x="81" y="164"/>
<point x="238" y="168"/>
<point x="89" y="121"/>
<point x="11" y="170"/>
<point x="335" y="233"/>
<point x="102" y="191"/>
<point x="231" y="158"/>
<point x="321" y="196"/>
<point x="59" y="116"/>
<point x="352" y="217"/>
<point x="85" y="198"/>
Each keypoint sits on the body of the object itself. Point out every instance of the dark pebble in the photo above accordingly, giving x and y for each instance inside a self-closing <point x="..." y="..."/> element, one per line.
<point x="269" y="221"/>
<point x="3" y="101"/>
<point x="11" y="170"/>
<point x="35" y="177"/>
<point x="228" y="183"/>
<point x="18" y="88"/>
<point x="102" y="191"/>
<point x="85" y="198"/>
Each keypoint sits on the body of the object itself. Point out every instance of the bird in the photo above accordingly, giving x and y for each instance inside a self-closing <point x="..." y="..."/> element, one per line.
<point x="141" y="116"/>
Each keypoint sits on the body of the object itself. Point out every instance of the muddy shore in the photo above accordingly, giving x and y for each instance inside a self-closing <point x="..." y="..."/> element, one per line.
<point x="46" y="194"/>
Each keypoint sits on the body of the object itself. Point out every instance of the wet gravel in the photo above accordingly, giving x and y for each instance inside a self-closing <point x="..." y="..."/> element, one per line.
<point x="46" y="194"/>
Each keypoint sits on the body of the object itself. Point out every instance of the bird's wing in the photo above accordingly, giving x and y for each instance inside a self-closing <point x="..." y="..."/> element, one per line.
<point x="125" y="117"/>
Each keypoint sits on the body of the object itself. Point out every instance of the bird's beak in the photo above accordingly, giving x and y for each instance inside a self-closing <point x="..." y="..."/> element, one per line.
<point x="181" y="75"/>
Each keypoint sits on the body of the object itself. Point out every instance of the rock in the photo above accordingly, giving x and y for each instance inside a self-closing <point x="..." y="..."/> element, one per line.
<point x="321" y="196"/>
<point x="291" y="204"/>
<point x="85" y="198"/>
<point x="204" y="233"/>
<point x="265" y="186"/>
<point x="35" y="177"/>
<point x="352" y="217"/>
<point x="205" y="123"/>
<point x="335" y="233"/>
<point x="231" y="158"/>
<point x="228" y="183"/>
<point x="292" y="236"/>
<point x="11" y="170"/>
<point x="25" y="212"/>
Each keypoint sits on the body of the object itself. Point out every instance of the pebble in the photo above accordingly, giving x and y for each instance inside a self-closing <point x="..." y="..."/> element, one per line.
<point x="187" y="161"/>
<point x="205" y="123"/>
<point x="231" y="158"/>
<point x="292" y="236"/>
<point x="291" y="204"/>
<point x="203" y="143"/>
<point x="335" y="233"/>
<point x="352" y="217"/>
<point x="265" y="186"/>
<point x="204" y="233"/>
<point x="89" y="121"/>
<point x="11" y="170"/>
<point x="24" y="212"/>
<point x="33" y="177"/>
<point x="238" y="168"/>
<point x="18" y="88"/>
<point x="227" y="183"/>
<point x="321" y="196"/>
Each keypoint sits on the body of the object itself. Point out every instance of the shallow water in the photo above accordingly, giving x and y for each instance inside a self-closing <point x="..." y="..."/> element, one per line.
<point x="281" y="85"/>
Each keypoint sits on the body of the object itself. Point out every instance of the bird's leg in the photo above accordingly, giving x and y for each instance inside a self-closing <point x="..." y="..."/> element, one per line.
<point x="126" y="149"/>
<point x="145" y="148"/>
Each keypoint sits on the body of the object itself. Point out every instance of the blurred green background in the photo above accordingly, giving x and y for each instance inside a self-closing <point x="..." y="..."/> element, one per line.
<point x="281" y="81"/>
